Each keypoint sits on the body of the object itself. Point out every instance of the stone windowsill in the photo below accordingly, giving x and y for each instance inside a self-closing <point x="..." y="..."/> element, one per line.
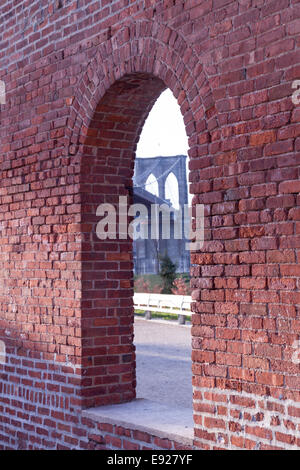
<point x="157" y="419"/>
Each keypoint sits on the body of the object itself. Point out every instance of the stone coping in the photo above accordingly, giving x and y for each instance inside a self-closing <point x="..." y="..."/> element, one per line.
<point x="167" y="422"/>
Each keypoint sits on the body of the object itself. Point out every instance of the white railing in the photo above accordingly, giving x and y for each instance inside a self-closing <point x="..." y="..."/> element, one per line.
<point x="179" y="305"/>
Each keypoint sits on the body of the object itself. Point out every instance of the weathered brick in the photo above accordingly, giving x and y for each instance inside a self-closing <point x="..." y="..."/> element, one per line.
<point x="77" y="100"/>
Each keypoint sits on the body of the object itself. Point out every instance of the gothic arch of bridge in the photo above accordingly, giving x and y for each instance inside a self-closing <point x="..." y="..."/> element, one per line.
<point x="161" y="168"/>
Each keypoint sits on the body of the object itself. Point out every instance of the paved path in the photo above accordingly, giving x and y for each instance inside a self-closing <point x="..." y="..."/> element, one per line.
<point x="163" y="362"/>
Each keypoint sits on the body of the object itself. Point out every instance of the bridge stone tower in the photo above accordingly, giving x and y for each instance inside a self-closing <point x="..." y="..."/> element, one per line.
<point x="161" y="168"/>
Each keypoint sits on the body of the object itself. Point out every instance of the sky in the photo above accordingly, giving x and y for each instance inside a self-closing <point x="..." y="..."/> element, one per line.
<point x="164" y="132"/>
<point x="164" y="135"/>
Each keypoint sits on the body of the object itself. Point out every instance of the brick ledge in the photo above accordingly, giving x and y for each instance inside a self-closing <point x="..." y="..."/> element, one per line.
<point x="147" y="416"/>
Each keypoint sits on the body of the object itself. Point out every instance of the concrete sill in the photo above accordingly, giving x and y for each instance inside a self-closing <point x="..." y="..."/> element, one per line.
<point x="154" y="418"/>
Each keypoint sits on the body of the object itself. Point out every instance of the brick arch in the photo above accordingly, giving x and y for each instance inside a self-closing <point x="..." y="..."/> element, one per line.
<point x="146" y="47"/>
<point x="114" y="98"/>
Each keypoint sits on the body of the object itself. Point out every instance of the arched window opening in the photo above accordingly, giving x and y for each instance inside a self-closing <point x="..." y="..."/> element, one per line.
<point x="172" y="190"/>
<point x="151" y="185"/>
<point x="113" y="353"/>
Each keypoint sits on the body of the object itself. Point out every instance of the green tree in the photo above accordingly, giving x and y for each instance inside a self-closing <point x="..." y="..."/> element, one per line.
<point x="167" y="273"/>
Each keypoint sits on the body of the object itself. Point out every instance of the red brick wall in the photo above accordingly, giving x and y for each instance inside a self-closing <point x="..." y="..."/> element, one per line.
<point x="81" y="77"/>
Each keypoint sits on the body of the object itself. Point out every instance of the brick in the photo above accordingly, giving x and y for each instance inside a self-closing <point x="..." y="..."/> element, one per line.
<point x="269" y="378"/>
<point x="263" y="138"/>
<point x="259" y="432"/>
<point x="289" y="187"/>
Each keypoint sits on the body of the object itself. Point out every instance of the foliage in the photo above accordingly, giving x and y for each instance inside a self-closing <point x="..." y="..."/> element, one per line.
<point x="142" y="285"/>
<point x="167" y="273"/>
<point x="180" y="287"/>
